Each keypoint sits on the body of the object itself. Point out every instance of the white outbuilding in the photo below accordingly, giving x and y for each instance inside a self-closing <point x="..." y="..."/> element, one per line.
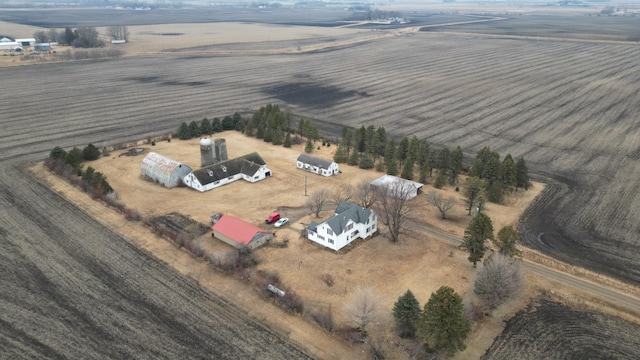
<point x="399" y="187"/>
<point x="250" y="167"/>
<point x="163" y="170"/>
<point x="317" y="165"/>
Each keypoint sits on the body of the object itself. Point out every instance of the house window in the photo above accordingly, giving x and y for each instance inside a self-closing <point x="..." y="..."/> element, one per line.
<point x="329" y="231"/>
<point x="216" y="182"/>
<point x="321" y="237"/>
<point x="330" y="241"/>
<point x="230" y="178"/>
<point x="349" y="227"/>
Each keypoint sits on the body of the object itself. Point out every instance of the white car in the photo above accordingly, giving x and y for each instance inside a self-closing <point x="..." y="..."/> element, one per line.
<point x="281" y="222"/>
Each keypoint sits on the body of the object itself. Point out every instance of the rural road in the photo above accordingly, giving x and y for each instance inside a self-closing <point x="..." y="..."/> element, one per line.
<point x="601" y="292"/>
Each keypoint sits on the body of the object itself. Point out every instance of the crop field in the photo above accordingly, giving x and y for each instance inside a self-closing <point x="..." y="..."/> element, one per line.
<point x="570" y="108"/>
<point x="579" y="26"/>
<point x="546" y="329"/>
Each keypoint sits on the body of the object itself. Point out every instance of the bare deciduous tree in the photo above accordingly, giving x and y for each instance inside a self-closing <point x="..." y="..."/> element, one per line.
<point x="343" y="192"/>
<point x="498" y="280"/>
<point x="363" y="308"/>
<point x="365" y="194"/>
<point x="317" y="200"/>
<point x="442" y="204"/>
<point x="393" y="206"/>
<point x="118" y="32"/>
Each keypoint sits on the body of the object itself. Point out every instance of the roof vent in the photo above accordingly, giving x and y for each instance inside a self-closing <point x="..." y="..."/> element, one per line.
<point x="210" y="172"/>
<point x="224" y="168"/>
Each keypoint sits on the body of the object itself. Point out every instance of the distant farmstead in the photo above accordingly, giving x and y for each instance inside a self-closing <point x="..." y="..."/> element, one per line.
<point x="163" y="170"/>
<point x="350" y="222"/>
<point x="250" y="167"/>
<point x="317" y="165"/>
<point x="239" y="233"/>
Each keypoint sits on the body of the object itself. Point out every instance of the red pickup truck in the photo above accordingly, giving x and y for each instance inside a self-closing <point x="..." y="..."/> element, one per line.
<point x="272" y="218"/>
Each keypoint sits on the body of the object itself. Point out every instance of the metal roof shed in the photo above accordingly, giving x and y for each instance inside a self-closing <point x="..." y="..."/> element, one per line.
<point x="163" y="170"/>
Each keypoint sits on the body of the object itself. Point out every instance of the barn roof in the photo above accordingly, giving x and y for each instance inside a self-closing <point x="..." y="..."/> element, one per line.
<point x="248" y="164"/>
<point x="159" y="164"/>
<point x="315" y="161"/>
<point x="237" y="230"/>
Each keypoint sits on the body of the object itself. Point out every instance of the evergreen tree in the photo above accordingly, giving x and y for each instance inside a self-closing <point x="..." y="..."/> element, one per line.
<point x="194" y="129"/>
<point x="508" y="174"/>
<point x="442" y="325"/>
<point x="57" y="153"/>
<point x="287" y="140"/>
<point x="491" y="172"/>
<point x="506" y="241"/>
<point x="424" y="171"/>
<point x="381" y="141"/>
<point x="205" y="127"/>
<point x="73" y="158"/>
<point x="402" y="150"/>
<point x="366" y="161"/>
<point x="359" y="140"/>
<point x="479" y="230"/>
<point x="237" y="118"/>
<point x="309" y="147"/>
<point x="522" y="175"/>
<point x="444" y="159"/>
<point x="494" y="192"/>
<point x="423" y="152"/>
<point x="370" y="140"/>
<point x="472" y="192"/>
<point x="389" y="158"/>
<point x="455" y="164"/>
<point x="478" y="167"/>
<point x="341" y="156"/>
<point x="406" y="313"/>
<point x="354" y="158"/>
<point x="440" y="180"/>
<point x="227" y="123"/>
<point x="183" y="132"/>
<point x="87" y="175"/>
<point x="407" y="169"/>
<point x="90" y="152"/>
<point x="216" y="125"/>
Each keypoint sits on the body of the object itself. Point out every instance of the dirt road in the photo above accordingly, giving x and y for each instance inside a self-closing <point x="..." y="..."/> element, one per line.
<point x="622" y="301"/>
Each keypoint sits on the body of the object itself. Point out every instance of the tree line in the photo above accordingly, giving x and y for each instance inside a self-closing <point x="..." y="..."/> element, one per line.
<point x="81" y="37"/>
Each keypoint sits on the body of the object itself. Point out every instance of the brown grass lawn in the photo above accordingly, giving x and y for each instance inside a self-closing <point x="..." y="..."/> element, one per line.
<point x="418" y="262"/>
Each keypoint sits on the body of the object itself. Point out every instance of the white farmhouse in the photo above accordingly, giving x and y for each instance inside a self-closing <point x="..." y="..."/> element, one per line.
<point x="317" y="165"/>
<point x="350" y="222"/>
<point x="250" y="167"/>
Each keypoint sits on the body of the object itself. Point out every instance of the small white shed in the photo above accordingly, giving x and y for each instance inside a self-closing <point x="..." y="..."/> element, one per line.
<point x="317" y="165"/>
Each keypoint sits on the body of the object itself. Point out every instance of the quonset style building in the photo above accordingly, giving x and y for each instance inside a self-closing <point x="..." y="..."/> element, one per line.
<point x="161" y="169"/>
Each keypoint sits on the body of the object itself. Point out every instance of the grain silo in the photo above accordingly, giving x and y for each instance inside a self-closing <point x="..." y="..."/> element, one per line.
<point x="221" y="150"/>
<point x="206" y="153"/>
<point x="161" y="169"/>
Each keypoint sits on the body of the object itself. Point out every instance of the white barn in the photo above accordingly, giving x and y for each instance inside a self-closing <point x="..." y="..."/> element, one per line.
<point x="317" y="165"/>
<point x="407" y="188"/>
<point x="250" y="167"/>
<point x="350" y="222"/>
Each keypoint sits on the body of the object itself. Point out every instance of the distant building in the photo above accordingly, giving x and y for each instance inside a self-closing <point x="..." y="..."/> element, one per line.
<point x="317" y="165"/>
<point x="239" y="233"/>
<point x="26" y="42"/>
<point x="118" y="41"/>
<point x="350" y="222"/>
<point x="250" y="167"/>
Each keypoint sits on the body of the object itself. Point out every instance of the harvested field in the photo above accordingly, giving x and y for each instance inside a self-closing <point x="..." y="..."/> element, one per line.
<point x="549" y="330"/>
<point x="543" y="100"/>
<point x="571" y="108"/>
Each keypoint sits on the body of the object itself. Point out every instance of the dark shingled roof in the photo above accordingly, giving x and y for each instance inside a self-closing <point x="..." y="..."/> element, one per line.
<point x="344" y="212"/>
<point x="247" y="164"/>
<point x="321" y="163"/>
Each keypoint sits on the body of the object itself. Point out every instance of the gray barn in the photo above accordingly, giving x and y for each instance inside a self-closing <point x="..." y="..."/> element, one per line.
<point x="161" y="169"/>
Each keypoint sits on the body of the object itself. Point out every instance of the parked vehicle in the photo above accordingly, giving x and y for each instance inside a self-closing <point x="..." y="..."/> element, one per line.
<point x="272" y="218"/>
<point x="281" y="222"/>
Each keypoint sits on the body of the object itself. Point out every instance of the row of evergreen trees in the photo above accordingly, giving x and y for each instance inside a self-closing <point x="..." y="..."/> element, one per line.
<point x="70" y="164"/>
<point x="369" y="147"/>
<point x="208" y="127"/>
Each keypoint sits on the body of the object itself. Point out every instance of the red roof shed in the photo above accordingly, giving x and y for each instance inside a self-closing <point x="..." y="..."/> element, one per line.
<point x="239" y="233"/>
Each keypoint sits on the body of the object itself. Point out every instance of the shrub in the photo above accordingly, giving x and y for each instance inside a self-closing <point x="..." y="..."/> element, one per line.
<point x="328" y="279"/>
<point x="132" y="214"/>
